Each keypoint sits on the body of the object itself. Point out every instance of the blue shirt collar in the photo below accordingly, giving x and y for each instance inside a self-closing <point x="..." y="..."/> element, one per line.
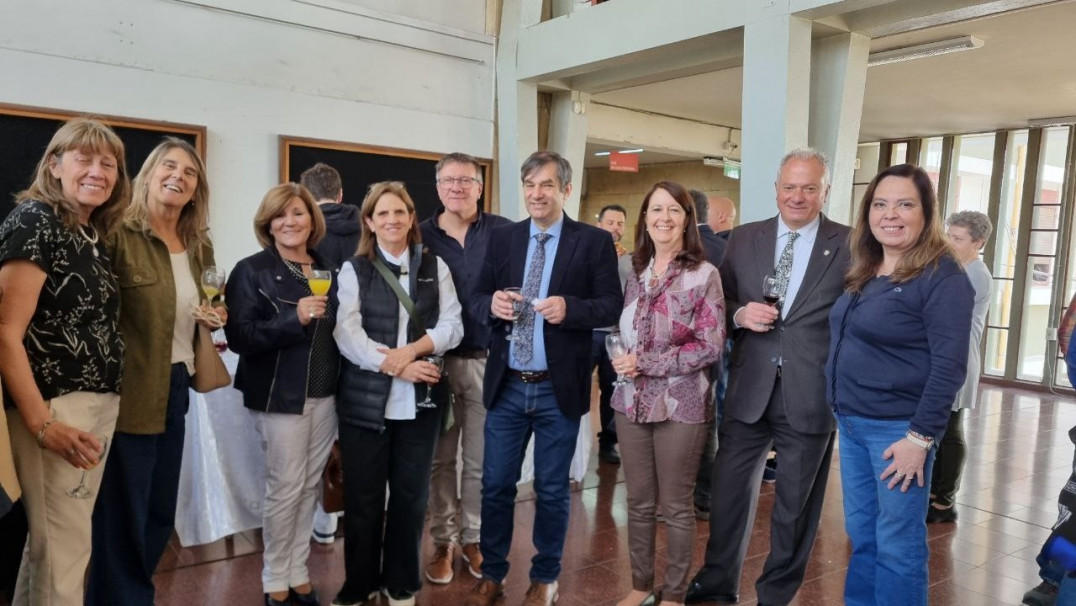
<point x="554" y="230"/>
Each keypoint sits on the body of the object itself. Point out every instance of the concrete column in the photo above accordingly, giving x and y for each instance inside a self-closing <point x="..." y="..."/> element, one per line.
<point x="776" y="93"/>
<point x="838" y="80"/>
<point x="517" y="107"/>
<point x="568" y="137"/>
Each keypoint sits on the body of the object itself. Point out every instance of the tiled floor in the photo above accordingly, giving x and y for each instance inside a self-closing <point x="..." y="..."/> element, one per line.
<point x="1020" y="456"/>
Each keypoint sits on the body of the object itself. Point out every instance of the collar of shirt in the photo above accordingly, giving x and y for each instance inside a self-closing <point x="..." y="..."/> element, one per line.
<point x="807" y="232"/>
<point x="554" y="230"/>
<point x="401" y="260"/>
<point x="436" y="220"/>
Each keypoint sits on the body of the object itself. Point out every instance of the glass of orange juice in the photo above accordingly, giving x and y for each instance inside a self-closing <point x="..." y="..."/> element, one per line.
<point x="320" y="280"/>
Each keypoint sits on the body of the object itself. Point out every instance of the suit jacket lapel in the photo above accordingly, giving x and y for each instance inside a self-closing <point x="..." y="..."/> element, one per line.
<point x="825" y="249"/>
<point x="518" y="253"/>
<point x="765" y="245"/>
<point x="565" y="249"/>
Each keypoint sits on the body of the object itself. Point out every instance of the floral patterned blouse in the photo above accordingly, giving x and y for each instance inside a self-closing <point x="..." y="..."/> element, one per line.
<point x="679" y="328"/>
<point x="73" y="339"/>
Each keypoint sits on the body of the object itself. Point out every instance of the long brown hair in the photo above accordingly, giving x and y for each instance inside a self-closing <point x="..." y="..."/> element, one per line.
<point x="87" y="135"/>
<point x="867" y="254"/>
<point x="368" y="241"/>
<point x="692" y="254"/>
<point x="193" y="226"/>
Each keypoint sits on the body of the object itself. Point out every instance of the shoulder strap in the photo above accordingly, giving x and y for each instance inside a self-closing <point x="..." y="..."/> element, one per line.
<point x="394" y="284"/>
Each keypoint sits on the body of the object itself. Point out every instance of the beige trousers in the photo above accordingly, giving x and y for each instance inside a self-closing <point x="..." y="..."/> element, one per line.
<point x="455" y="508"/>
<point x="660" y="461"/>
<point x="58" y="546"/>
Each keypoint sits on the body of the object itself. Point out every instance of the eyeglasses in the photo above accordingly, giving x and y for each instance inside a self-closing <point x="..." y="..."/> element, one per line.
<point x="463" y="182"/>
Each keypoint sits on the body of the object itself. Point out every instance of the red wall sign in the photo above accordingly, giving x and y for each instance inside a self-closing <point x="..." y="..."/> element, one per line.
<point x="625" y="163"/>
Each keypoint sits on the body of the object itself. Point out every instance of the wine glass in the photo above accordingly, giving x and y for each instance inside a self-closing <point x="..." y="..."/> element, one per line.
<point x="212" y="282"/>
<point x="517" y="309"/>
<point x="439" y="362"/>
<point x="81" y="491"/>
<point x="614" y="346"/>
<point x="320" y="280"/>
<point x="771" y="291"/>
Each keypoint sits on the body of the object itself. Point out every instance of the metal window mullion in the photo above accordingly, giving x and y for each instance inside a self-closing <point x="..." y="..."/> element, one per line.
<point x="1023" y="245"/>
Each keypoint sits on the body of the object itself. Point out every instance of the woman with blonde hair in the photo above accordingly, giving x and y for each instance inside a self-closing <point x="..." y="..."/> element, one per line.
<point x="158" y="255"/>
<point x="288" y="364"/>
<point x="61" y="356"/>
<point x="397" y="305"/>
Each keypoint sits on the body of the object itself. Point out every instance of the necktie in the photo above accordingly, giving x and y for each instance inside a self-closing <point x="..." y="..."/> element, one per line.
<point x="524" y="328"/>
<point x="784" y="265"/>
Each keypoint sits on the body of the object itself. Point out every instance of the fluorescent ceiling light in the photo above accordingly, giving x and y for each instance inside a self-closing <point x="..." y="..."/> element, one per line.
<point x="1044" y="122"/>
<point x="623" y="151"/>
<point x="920" y="51"/>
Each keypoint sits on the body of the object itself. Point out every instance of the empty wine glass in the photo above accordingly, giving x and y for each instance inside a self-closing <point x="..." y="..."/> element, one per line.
<point x="615" y="347"/>
<point x="82" y="491"/>
<point x="517" y="309"/>
<point x="212" y="282"/>
<point x="771" y="291"/>
<point x="439" y="362"/>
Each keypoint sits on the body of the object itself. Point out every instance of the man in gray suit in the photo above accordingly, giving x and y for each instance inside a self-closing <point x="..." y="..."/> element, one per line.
<point x="776" y="392"/>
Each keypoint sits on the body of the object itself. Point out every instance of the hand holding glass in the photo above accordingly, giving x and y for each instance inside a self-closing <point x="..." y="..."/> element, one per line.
<point x="82" y="491"/>
<point x="615" y="347"/>
<point x="320" y="280"/>
<point x="517" y="308"/>
<point x="439" y="362"/>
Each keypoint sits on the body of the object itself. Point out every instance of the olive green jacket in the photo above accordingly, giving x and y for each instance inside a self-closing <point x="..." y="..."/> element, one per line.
<point x="147" y="320"/>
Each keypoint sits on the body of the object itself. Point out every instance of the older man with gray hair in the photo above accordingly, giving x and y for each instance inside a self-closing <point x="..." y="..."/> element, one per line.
<point x="776" y="392"/>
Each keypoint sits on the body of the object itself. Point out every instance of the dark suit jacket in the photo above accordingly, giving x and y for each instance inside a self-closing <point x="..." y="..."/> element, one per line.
<point x="800" y="342"/>
<point x="713" y="244"/>
<point x="585" y="274"/>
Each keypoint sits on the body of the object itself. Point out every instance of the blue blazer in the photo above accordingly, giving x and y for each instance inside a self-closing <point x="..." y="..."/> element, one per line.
<point x="900" y="351"/>
<point x="585" y="274"/>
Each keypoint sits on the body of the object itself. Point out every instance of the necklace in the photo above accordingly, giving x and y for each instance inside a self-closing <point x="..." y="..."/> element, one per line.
<point x="91" y="239"/>
<point x="656" y="277"/>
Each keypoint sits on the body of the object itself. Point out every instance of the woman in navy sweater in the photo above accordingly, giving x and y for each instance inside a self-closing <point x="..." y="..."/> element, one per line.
<point x="898" y="355"/>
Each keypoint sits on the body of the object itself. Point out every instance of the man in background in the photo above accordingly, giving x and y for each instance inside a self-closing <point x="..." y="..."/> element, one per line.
<point x="613" y="219"/>
<point x="341" y="220"/>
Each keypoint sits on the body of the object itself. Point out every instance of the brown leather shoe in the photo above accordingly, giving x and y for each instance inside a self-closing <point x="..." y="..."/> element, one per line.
<point x="472" y="554"/>
<point x="484" y="593"/>
<point x="440" y="569"/>
<point x="541" y="594"/>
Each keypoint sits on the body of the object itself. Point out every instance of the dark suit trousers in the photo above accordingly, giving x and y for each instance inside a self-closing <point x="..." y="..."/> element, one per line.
<point x="801" y="486"/>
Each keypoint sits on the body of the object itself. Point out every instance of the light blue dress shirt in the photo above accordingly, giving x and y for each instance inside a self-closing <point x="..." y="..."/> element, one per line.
<point x="538" y="359"/>
<point x="801" y="255"/>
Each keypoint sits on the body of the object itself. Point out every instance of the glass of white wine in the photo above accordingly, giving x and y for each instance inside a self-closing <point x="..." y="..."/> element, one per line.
<point x="320" y="280"/>
<point x="82" y="491"/>
<point x="212" y="282"/>
<point x="517" y="309"/>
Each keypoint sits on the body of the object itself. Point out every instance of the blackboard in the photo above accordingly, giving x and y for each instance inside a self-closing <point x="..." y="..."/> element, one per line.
<point x="361" y="166"/>
<point x="25" y="132"/>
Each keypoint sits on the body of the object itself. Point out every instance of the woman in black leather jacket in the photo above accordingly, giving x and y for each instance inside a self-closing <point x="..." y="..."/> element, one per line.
<point x="386" y="434"/>
<point x="288" y="366"/>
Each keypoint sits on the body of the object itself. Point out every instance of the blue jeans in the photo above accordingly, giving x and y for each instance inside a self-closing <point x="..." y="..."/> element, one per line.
<point x="887" y="527"/>
<point x="520" y="410"/>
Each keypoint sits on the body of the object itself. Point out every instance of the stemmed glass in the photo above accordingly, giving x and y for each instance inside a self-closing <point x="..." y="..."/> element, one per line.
<point x="212" y="282"/>
<point x="615" y="347"/>
<point x="439" y="362"/>
<point x="320" y="280"/>
<point x="81" y="491"/>
<point x="771" y="291"/>
<point x="517" y="309"/>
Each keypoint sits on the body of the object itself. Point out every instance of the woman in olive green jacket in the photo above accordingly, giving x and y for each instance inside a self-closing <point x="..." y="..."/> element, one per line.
<point x="158" y="256"/>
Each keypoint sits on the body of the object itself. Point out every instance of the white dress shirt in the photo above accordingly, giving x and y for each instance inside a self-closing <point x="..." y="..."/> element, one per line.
<point x="801" y="255"/>
<point x="362" y="351"/>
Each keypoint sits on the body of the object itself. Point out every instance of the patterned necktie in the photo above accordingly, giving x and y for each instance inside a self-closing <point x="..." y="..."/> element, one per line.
<point x="524" y="329"/>
<point x="784" y="265"/>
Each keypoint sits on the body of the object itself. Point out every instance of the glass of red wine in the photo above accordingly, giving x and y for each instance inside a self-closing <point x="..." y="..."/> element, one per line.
<point x="771" y="291"/>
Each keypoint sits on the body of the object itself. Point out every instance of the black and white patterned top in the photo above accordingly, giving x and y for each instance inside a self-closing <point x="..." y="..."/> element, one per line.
<point x="73" y="340"/>
<point x="324" y="357"/>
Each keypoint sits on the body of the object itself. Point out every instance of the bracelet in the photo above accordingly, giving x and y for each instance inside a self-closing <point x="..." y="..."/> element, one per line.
<point x="919" y="440"/>
<point x="41" y="432"/>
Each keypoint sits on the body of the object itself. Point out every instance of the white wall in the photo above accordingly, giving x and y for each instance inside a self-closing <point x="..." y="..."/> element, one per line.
<point x="250" y="70"/>
<point x="468" y="15"/>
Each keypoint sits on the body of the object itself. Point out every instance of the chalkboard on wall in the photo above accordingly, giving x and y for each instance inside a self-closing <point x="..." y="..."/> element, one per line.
<point x="25" y="132"/>
<point x="361" y="166"/>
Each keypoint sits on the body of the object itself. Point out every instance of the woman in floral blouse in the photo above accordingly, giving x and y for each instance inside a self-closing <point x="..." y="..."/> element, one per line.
<point x="674" y="329"/>
<point x="61" y="356"/>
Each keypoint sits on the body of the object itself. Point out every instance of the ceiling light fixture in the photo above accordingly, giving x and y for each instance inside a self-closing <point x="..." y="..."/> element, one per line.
<point x="1045" y="122"/>
<point x="920" y="51"/>
<point x="623" y="151"/>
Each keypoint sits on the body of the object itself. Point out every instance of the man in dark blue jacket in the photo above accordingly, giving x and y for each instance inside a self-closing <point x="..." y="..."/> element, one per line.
<point x="341" y="220"/>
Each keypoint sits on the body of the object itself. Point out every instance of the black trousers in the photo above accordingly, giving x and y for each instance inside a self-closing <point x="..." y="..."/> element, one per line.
<point x="606" y="375"/>
<point x="381" y="549"/>
<point x="949" y="462"/>
<point x="801" y="486"/>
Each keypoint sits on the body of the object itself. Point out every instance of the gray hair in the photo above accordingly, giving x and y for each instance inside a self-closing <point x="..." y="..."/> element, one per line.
<point x="459" y="158"/>
<point x="539" y="159"/>
<point x="977" y="224"/>
<point x="702" y="204"/>
<point x="806" y="154"/>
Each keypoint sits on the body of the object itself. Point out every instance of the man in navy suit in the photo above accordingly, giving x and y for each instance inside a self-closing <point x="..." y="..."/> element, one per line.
<point x="539" y="383"/>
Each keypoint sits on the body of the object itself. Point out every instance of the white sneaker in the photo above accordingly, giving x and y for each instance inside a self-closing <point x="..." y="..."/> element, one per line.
<point x="402" y="601"/>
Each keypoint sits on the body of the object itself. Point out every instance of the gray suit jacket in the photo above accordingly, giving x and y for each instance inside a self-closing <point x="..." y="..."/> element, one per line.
<point x="800" y="343"/>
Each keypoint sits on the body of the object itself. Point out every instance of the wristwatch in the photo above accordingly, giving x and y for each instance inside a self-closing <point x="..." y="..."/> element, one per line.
<point x="924" y="442"/>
